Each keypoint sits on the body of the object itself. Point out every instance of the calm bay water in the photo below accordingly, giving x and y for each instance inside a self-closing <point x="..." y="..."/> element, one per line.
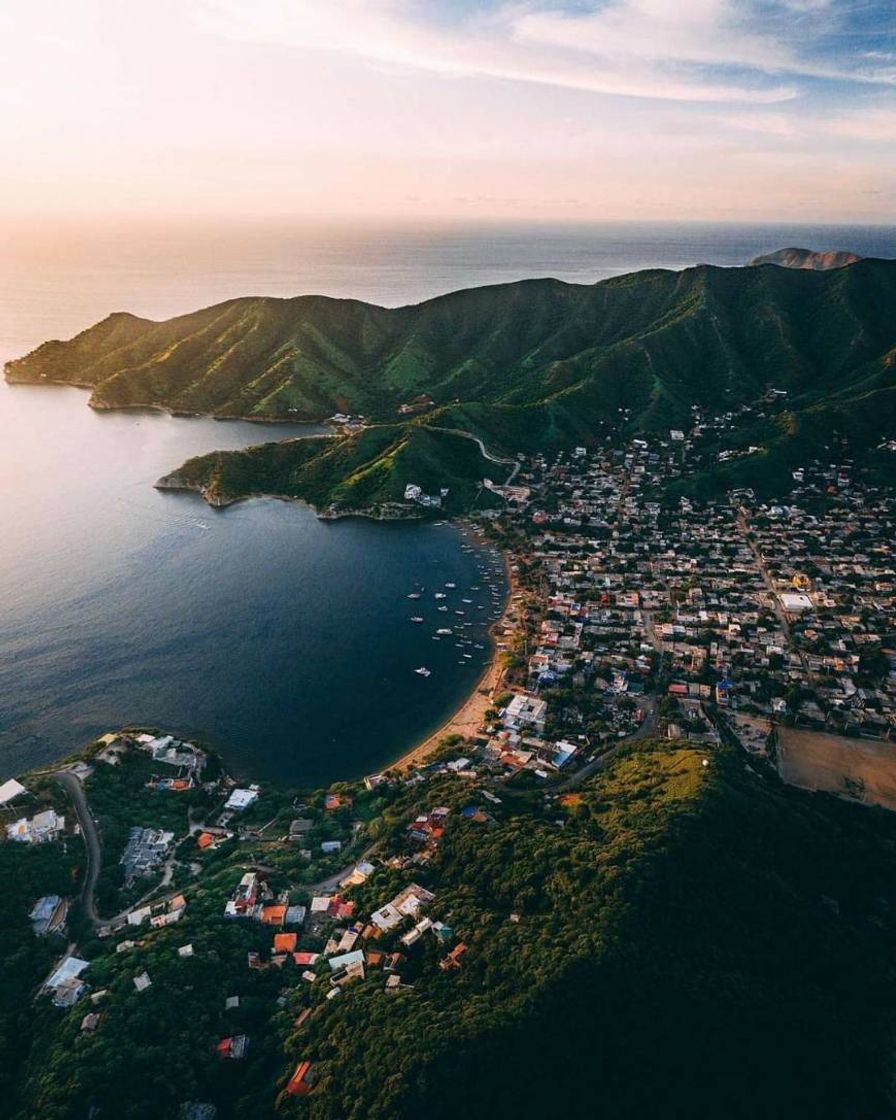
<point x="283" y="640"/>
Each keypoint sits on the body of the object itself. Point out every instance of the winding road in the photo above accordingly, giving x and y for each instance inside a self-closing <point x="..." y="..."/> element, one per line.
<point x="94" y="849"/>
<point x="486" y="454"/>
<point x="91" y="842"/>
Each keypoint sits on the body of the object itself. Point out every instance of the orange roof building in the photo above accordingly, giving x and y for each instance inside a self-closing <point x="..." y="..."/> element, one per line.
<point x="273" y="915"/>
<point x="453" y="958"/>
<point x="299" y="1084"/>
<point x="284" y="942"/>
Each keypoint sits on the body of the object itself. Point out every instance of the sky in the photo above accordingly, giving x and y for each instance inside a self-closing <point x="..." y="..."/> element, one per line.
<point x="352" y="110"/>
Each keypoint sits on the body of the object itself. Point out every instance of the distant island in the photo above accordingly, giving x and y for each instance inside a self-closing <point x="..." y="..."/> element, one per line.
<point x="813" y="259"/>
<point x="442" y="395"/>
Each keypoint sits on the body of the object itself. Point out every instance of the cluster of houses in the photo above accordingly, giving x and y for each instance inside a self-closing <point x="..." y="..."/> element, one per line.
<point x="253" y="899"/>
<point x="415" y="493"/>
<point x="158" y="914"/>
<point x="344" y="420"/>
<point x="517" y="738"/>
<point x="144" y="852"/>
<point x="828" y="555"/>
<point x="778" y="611"/>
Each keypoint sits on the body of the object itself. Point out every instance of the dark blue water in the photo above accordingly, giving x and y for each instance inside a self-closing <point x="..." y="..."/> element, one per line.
<point x="283" y="640"/>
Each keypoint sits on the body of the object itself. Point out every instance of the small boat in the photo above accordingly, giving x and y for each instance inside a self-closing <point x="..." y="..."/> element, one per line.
<point x="458" y="612"/>
<point x="440" y="595"/>
<point x="442" y="608"/>
<point x="444" y="630"/>
<point x="466" y="600"/>
<point x="416" y="618"/>
<point x="414" y="595"/>
<point x="451" y="585"/>
<point x="422" y="671"/>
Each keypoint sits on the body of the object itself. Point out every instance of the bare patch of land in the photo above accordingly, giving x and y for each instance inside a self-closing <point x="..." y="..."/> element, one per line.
<point x="860" y="769"/>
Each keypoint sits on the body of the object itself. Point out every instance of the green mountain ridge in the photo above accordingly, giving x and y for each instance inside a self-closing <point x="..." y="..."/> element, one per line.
<point x="525" y="365"/>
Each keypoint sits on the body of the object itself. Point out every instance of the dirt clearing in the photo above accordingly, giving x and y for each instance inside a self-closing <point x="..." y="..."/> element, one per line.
<point x="861" y="769"/>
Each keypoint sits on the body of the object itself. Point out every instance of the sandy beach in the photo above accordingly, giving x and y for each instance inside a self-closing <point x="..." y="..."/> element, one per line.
<point x="468" y="718"/>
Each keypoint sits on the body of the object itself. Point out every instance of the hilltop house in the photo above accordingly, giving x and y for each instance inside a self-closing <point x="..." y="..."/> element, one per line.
<point x="44" y="826"/>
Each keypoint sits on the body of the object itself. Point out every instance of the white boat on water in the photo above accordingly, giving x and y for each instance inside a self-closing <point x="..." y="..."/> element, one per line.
<point x="441" y="595"/>
<point x="414" y="595"/>
<point x="451" y="585"/>
<point x="443" y="630"/>
<point x="416" y="618"/>
<point x="422" y="671"/>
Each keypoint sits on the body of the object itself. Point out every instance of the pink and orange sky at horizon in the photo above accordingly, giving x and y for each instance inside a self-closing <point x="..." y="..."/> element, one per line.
<point x="449" y="110"/>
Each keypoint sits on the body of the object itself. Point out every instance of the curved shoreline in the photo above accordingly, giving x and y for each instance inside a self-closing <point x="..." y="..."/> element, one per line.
<point x="467" y="718"/>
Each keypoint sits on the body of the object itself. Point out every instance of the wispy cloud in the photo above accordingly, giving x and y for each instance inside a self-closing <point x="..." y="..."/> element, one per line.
<point x="512" y="42"/>
<point x="749" y="51"/>
<point x="435" y="108"/>
<point x="876" y="124"/>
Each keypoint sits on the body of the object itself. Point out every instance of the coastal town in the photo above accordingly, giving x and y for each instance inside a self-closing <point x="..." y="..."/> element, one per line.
<point x="631" y="615"/>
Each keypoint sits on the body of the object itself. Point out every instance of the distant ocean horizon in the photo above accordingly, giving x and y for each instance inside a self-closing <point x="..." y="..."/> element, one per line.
<point x="54" y="283"/>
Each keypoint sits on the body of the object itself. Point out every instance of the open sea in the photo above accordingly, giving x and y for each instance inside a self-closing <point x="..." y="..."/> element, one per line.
<point x="282" y="640"/>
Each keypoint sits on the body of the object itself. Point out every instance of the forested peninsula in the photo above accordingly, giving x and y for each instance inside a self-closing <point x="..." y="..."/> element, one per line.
<point x="532" y="365"/>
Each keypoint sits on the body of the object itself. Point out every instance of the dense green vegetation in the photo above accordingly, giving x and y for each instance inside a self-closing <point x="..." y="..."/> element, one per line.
<point x="674" y="939"/>
<point x="535" y="364"/>
<point x="691" y="942"/>
<point x="26" y="873"/>
<point x="367" y="469"/>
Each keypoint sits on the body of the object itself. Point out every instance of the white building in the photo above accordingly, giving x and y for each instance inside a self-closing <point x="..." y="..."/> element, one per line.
<point x="42" y="826"/>
<point x="525" y="711"/>
<point x="10" y="790"/>
<point x="794" y="602"/>
<point x="242" y="798"/>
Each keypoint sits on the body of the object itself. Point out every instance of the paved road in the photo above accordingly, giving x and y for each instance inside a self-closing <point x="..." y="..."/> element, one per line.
<point x="332" y="881"/>
<point x="644" y="732"/>
<point x="486" y="454"/>
<point x="94" y="853"/>
<point x="91" y="842"/>
<point x="744" y="528"/>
